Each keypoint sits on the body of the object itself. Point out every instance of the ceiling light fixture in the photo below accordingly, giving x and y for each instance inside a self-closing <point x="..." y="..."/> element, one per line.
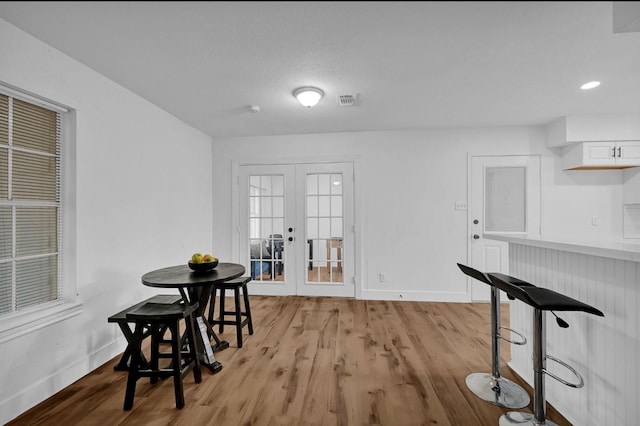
<point x="308" y="96"/>
<point x="590" y="85"/>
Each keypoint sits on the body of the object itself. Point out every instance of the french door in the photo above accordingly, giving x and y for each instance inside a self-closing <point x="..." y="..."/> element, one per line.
<point x="296" y="228"/>
<point x="505" y="199"/>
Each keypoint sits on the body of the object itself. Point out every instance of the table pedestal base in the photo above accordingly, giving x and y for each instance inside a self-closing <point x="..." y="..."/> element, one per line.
<point x="214" y="368"/>
<point x="223" y="344"/>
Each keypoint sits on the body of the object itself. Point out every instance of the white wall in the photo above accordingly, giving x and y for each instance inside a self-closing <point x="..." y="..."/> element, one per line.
<point x="632" y="185"/>
<point x="572" y="198"/>
<point x="408" y="185"/>
<point x="142" y="193"/>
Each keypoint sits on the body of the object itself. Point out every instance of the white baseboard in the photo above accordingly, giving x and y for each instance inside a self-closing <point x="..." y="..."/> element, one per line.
<point x="37" y="392"/>
<point x="414" y="296"/>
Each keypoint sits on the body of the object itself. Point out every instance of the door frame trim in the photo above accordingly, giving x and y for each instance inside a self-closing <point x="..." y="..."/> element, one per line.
<point x="359" y="250"/>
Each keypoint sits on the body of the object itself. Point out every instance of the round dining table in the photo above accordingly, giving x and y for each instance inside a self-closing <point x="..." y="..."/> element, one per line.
<point x="196" y="287"/>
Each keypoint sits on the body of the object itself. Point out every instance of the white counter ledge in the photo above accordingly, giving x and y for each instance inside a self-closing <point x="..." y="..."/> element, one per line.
<point x="605" y="351"/>
<point x="621" y="250"/>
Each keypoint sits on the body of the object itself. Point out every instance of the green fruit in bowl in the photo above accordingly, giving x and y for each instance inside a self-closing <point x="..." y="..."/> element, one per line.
<point x="197" y="258"/>
<point x="207" y="258"/>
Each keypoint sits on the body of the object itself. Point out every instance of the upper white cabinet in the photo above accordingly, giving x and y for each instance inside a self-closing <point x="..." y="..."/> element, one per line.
<point x="601" y="155"/>
<point x="592" y="128"/>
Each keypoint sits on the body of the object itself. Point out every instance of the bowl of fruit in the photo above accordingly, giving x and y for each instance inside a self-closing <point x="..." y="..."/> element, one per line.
<point x="202" y="262"/>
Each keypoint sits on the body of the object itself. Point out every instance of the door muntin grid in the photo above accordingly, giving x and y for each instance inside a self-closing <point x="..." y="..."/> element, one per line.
<point x="324" y="228"/>
<point x="266" y="227"/>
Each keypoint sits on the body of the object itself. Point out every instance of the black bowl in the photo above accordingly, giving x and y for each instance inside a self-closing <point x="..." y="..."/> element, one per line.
<point x="203" y="267"/>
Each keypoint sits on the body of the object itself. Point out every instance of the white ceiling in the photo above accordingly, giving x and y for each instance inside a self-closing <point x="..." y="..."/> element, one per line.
<point x="413" y="65"/>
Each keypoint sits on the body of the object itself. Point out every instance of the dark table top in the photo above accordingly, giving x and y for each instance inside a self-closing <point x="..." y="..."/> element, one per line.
<point x="182" y="276"/>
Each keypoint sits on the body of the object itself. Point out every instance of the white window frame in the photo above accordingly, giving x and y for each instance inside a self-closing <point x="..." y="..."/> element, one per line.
<point x="68" y="305"/>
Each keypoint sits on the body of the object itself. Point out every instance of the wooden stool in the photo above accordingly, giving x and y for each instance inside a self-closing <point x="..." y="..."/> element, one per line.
<point x="541" y="300"/>
<point x="238" y="322"/>
<point x="121" y="319"/>
<point x="157" y="317"/>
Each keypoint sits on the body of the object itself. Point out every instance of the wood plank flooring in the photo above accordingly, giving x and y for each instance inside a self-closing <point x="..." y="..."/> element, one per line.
<point x="314" y="361"/>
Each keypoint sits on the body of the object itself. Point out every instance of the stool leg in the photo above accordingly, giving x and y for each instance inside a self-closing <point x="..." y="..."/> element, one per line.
<point x="539" y="362"/>
<point x="136" y="348"/>
<point x="222" y="298"/>
<point x="247" y="308"/>
<point x="156" y="336"/>
<point x="492" y="387"/>
<point x="238" y="312"/>
<point x="176" y="362"/>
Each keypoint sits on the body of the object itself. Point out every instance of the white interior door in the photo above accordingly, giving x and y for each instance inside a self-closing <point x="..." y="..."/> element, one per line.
<point x="505" y="199"/>
<point x="296" y="228"/>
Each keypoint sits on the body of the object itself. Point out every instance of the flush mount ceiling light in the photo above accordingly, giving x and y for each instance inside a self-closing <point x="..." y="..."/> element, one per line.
<point x="590" y="85"/>
<point x="308" y="96"/>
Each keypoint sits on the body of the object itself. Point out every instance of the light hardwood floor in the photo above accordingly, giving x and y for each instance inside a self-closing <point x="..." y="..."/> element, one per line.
<point x="314" y="361"/>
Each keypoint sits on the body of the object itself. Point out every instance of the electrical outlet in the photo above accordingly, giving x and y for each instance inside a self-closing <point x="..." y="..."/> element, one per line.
<point x="382" y="277"/>
<point x="461" y="205"/>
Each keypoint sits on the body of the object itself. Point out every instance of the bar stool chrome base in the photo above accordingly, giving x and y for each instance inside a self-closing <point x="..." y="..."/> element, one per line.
<point x="499" y="391"/>
<point x="521" y="418"/>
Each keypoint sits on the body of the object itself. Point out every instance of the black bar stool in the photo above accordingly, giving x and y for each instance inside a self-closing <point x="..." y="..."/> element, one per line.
<point x="157" y="318"/>
<point x="492" y="387"/>
<point x="542" y="300"/>
<point x="236" y="285"/>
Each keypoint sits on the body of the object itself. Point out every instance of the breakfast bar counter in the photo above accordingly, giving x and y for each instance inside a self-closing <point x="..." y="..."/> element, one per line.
<point x="605" y="351"/>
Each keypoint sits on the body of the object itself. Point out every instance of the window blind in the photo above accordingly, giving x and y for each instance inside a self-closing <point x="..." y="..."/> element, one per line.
<point x="30" y="216"/>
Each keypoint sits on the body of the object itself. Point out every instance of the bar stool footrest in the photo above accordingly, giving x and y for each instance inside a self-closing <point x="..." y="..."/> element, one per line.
<point x="514" y="342"/>
<point x="568" y="367"/>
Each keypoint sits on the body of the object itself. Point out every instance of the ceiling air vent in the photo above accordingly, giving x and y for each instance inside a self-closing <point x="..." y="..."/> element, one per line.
<point x="346" y="100"/>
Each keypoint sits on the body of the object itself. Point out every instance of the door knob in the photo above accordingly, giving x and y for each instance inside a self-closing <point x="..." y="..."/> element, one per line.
<point x="290" y="238"/>
<point x="475" y="221"/>
<point x="476" y="236"/>
<point x="290" y="229"/>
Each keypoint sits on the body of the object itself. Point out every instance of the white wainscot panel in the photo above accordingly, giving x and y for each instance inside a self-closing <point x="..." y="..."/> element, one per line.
<point x="605" y="351"/>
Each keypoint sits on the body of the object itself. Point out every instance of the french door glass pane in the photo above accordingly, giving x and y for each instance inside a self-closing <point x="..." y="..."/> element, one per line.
<point x="505" y="202"/>
<point x="266" y="227"/>
<point x="325" y="219"/>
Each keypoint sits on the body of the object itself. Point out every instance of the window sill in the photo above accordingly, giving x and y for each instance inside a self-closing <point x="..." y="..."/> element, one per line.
<point x="27" y="322"/>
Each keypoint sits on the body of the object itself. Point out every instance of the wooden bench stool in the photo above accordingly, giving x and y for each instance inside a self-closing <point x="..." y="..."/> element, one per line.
<point x="238" y="322"/>
<point x="158" y="317"/>
<point x="121" y="319"/>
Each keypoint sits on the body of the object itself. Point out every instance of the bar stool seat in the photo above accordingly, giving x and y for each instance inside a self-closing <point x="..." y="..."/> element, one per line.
<point x="236" y="285"/>
<point x="157" y="318"/>
<point x="492" y="387"/>
<point x="541" y="300"/>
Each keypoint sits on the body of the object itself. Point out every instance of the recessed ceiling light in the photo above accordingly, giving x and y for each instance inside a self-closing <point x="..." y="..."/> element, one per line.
<point x="590" y="85"/>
